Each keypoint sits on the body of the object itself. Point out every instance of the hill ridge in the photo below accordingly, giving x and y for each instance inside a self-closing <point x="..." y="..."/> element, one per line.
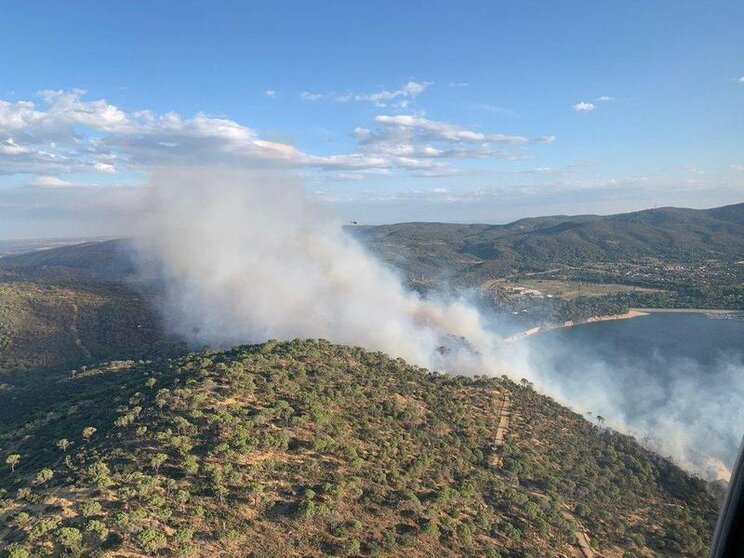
<point x="305" y="448"/>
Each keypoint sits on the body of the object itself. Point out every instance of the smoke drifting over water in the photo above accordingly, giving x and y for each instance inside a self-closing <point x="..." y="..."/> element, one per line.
<point x="247" y="257"/>
<point x="676" y="381"/>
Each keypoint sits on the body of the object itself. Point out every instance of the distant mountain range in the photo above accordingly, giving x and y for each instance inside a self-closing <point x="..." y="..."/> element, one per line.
<point x="667" y="234"/>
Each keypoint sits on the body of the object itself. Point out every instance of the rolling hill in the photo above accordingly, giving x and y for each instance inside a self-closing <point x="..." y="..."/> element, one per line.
<point x="304" y="448"/>
<point x="666" y="234"/>
<point x="470" y="254"/>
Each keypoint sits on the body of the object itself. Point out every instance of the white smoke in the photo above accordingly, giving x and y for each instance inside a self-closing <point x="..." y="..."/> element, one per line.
<point x="247" y="257"/>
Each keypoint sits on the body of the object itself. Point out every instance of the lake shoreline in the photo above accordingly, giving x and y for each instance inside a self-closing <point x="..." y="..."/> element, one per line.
<point x="630" y="314"/>
<point x="687" y="311"/>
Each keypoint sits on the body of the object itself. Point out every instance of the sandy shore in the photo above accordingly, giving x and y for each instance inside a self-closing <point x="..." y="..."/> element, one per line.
<point x="685" y="311"/>
<point x="632" y="313"/>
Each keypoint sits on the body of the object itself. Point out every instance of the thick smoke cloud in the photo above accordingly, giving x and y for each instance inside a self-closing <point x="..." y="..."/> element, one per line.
<point x="245" y="257"/>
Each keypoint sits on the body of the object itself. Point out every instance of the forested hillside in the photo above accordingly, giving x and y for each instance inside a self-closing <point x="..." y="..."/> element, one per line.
<point x="472" y="253"/>
<point x="563" y="268"/>
<point x="74" y="305"/>
<point x="304" y="448"/>
<point x="66" y="324"/>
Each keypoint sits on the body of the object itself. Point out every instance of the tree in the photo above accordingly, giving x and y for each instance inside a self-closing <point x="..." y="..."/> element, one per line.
<point x="13" y="459"/>
<point x="89" y="509"/>
<point x="45" y="475"/>
<point x="157" y="460"/>
<point x="182" y="496"/>
<point x="22" y="519"/>
<point x="98" y="529"/>
<point x="99" y="474"/>
<point x="88" y="432"/>
<point x="69" y="537"/>
<point x="600" y="420"/>
<point x="63" y="444"/>
<point x="18" y="550"/>
<point x="151" y="540"/>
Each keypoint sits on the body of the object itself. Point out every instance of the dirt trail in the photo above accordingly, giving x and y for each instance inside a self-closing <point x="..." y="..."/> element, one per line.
<point x="76" y="334"/>
<point x="504" y="417"/>
<point x="582" y="539"/>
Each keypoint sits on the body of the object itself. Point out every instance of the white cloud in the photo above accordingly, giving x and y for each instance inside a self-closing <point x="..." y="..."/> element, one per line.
<point x="413" y="88"/>
<point x="405" y="92"/>
<point x="605" y="99"/>
<point x="309" y="96"/>
<point x="741" y="79"/>
<point x="66" y="133"/>
<point x="429" y="151"/>
<point x="68" y="107"/>
<point x="106" y="168"/>
<point x="584" y="106"/>
<point x="739" y="168"/>
<point x="10" y="147"/>
<point x="442" y="131"/>
<point x="270" y="93"/>
<point x="413" y="163"/>
<point x="458" y="84"/>
<point x="46" y="181"/>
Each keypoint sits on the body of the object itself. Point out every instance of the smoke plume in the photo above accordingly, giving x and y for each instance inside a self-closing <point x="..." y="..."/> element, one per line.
<point x="245" y="256"/>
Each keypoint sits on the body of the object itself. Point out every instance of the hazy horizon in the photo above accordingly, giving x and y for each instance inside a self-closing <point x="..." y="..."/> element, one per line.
<point x="101" y="237"/>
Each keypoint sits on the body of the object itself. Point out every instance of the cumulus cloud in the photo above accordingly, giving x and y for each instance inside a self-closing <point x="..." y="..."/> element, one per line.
<point x="360" y="132"/>
<point x="411" y="142"/>
<point x="310" y="96"/>
<point x="584" y="106"/>
<point x="443" y="131"/>
<point x="65" y="133"/>
<point x="70" y="134"/>
<point x="405" y="93"/>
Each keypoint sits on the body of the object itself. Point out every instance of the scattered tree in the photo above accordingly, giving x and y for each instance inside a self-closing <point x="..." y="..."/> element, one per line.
<point x="13" y="459"/>
<point x="88" y="432"/>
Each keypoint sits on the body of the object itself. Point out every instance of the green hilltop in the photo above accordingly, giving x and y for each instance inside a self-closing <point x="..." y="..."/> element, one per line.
<point x="305" y="448"/>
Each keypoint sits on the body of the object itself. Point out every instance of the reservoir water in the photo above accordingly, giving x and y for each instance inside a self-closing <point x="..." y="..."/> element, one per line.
<point x="675" y="380"/>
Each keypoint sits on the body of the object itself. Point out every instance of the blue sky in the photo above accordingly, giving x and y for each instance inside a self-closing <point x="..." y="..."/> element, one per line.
<point x="388" y="111"/>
